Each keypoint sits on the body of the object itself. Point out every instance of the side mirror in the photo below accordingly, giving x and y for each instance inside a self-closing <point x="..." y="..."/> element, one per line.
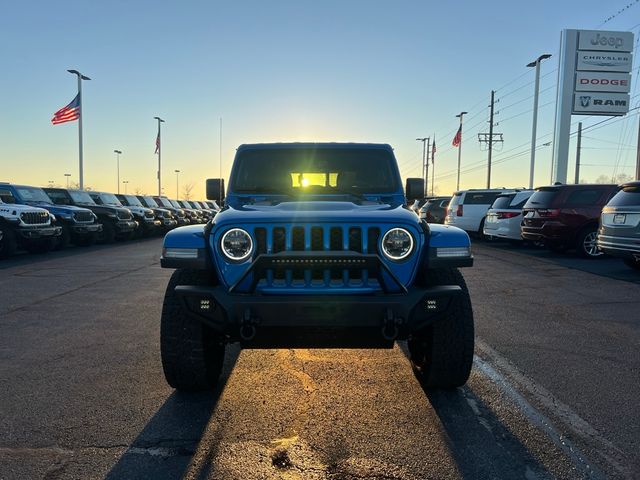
<point x="414" y="189"/>
<point x="215" y="190"/>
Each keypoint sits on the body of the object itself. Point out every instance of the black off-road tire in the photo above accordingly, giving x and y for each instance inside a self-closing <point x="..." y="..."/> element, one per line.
<point x="42" y="245"/>
<point x="86" y="240"/>
<point x="192" y="354"/>
<point x="442" y="354"/>
<point x="9" y="242"/>
<point x="633" y="263"/>
<point x="64" y="240"/>
<point x="108" y="234"/>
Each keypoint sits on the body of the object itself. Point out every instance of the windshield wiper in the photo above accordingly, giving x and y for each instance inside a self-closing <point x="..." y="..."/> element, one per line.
<point x="352" y="194"/>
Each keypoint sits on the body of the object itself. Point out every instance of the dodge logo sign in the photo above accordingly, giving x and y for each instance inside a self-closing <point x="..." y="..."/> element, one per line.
<point x="603" y="82"/>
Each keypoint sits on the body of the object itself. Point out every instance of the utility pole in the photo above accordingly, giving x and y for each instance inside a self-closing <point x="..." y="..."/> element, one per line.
<point x="425" y="171"/>
<point x="459" y="145"/>
<point x="488" y="138"/>
<point x="81" y="167"/>
<point x="536" y="94"/>
<point x="159" y="152"/>
<point x="118" y="152"/>
<point x="578" y="146"/>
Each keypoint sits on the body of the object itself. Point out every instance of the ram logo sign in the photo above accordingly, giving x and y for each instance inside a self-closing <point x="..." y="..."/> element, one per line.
<point x="599" y="103"/>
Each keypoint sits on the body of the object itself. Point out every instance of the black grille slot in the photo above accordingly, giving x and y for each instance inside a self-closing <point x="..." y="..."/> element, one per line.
<point x="297" y="238"/>
<point x="124" y="215"/>
<point x="316" y="239"/>
<point x="34" y="218"/>
<point x="335" y="238"/>
<point x="83" y="216"/>
<point x="279" y="239"/>
<point x="355" y="239"/>
<point x="261" y="240"/>
<point x="372" y="240"/>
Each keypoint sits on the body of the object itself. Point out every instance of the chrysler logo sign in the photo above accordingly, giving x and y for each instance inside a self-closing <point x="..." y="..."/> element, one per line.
<point x="604" y="61"/>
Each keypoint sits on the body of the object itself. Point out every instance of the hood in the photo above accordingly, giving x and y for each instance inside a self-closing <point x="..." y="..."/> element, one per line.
<point x="19" y="208"/>
<point x="104" y="209"/>
<point x="316" y="211"/>
<point x="62" y="209"/>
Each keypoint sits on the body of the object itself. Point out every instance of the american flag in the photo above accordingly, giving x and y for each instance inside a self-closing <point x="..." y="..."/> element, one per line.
<point x="458" y="138"/>
<point x="157" y="141"/>
<point x="433" y="150"/>
<point x="69" y="113"/>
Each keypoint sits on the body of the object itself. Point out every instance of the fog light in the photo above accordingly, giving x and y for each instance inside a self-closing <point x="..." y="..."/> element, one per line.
<point x="451" y="252"/>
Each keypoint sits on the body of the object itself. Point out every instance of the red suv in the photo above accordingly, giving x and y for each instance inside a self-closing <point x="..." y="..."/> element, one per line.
<point x="566" y="216"/>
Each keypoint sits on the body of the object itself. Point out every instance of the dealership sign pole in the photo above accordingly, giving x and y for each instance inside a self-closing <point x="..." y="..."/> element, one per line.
<point x="593" y="79"/>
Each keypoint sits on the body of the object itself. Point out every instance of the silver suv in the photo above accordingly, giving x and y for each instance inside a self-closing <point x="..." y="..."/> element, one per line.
<point x="619" y="233"/>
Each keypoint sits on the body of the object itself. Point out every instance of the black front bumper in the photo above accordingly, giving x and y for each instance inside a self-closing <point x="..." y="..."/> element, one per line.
<point x="34" y="233"/>
<point x="86" y="229"/>
<point x="245" y="317"/>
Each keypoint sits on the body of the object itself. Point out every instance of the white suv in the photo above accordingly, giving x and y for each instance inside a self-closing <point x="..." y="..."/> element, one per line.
<point x="505" y="216"/>
<point x="467" y="208"/>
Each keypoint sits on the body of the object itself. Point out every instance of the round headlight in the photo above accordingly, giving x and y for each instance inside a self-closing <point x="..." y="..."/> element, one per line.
<point x="397" y="244"/>
<point x="236" y="244"/>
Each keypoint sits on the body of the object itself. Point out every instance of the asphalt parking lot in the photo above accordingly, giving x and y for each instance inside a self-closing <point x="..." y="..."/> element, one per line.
<point x="554" y="391"/>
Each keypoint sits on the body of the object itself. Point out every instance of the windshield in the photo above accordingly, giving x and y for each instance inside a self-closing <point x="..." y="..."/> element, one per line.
<point x="315" y="170"/>
<point x="132" y="201"/>
<point x="164" y="202"/>
<point x="150" y="202"/>
<point x="33" y="194"/>
<point x="628" y="196"/>
<point x="503" y="201"/>
<point x="541" y="198"/>
<point x="81" y="197"/>
<point x="175" y="204"/>
<point x="110" y="199"/>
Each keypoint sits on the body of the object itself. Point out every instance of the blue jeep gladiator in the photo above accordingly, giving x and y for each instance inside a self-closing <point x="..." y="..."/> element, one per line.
<point x="315" y="247"/>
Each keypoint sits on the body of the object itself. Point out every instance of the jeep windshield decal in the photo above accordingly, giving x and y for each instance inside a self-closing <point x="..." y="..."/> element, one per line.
<point x="294" y="172"/>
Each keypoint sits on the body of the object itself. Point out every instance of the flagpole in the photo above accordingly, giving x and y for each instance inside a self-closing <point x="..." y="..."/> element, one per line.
<point x="433" y="163"/>
<point x="159" y="146"/>
<point x="81" y="169"/>
<point x="459" y="150"/>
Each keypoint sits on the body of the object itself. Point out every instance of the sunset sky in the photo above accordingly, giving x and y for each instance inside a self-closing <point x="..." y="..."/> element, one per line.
<point x="290" y="71"/>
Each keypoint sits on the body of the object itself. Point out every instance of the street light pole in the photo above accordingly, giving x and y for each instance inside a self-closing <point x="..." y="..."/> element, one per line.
<point x="460" y="116"/>
<point x="125" y="182"/>
<point x="177" y="175"/>
<point x="424" y="141"/>
<point x="118" y="152"/>
<point x="81" y="170"/>
<point x="536" y="94"/>
<point x="67" y="175"/>
<point x="159" y="150"/>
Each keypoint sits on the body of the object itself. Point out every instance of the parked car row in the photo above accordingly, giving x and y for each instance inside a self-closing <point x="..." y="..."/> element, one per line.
<point x="592" y="219"/>
<point x="41" y="219"/>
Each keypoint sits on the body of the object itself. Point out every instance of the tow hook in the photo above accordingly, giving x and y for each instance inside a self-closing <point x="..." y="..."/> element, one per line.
<point x="247" y="326"/>
<point x="390" y="326"/>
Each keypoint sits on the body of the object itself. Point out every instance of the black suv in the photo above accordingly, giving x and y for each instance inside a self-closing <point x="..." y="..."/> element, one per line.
<point x="619" y="234"/>
<point x="117" y="222"/>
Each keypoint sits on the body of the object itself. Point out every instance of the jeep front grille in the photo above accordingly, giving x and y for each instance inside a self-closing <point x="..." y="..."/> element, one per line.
<point x="317" y="239"/>
<point x="124" y="215"/>
<point x="148" y="214"/>
<point x="34" y="218"/>
<point x="83" y="217"/>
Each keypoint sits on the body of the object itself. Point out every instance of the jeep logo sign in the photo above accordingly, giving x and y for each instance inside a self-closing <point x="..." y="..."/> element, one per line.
<point x="598" y="103"/>
<point x="603" y="82"/>
<point x="605" y="41"/>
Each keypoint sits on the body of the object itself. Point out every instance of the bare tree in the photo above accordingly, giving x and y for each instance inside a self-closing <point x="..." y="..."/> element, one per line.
<point x="138" y="191"/>
<point x="187" y="189"/>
